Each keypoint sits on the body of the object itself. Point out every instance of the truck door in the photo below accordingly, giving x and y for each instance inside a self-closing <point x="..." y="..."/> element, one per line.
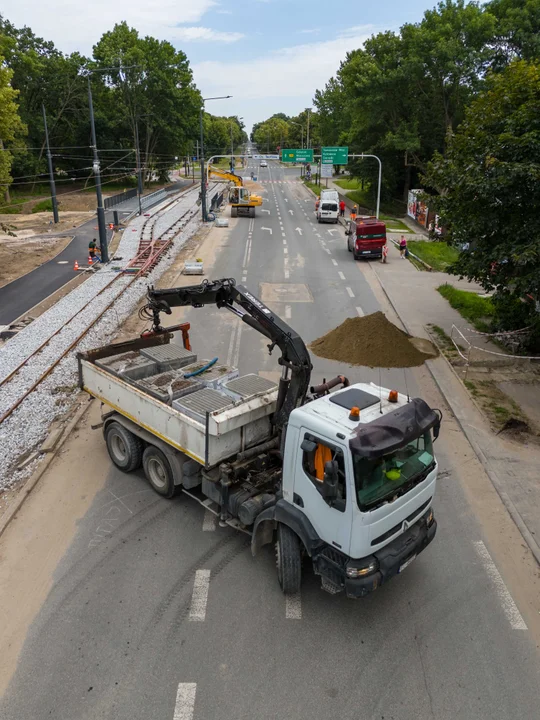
<point x="331" y="519"/>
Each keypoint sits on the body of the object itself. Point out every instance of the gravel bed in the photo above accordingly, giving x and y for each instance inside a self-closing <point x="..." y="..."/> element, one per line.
<point x="26" y="428"/>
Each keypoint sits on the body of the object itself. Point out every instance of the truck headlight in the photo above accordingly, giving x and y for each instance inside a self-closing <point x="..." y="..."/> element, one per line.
<point x="355" y="572"/>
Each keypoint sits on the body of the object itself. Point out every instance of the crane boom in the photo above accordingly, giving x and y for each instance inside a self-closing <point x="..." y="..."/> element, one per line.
<point x="295" y="358"/>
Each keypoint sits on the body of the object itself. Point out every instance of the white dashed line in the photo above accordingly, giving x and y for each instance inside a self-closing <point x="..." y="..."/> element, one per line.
<point x="283" y="234"/>
<point x="341" y="275"/>
<point x="293" y="607"/>
<point x="185" y="701"/>
<point x="288" y="312"/>
<point x="508" y="605"/>
<point x="334" y="261"/>
<point x="360" y="312"/>
<point x="286" y="274"/>
<point x="199" y="599"/>
<point x="351" y="294"/>
<point x="284" y="241"/>
<point x="209" y="521"/>
<point x="285" y="251"/>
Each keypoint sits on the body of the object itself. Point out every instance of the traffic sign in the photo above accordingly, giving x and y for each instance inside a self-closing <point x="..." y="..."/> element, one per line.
<point x="334" y="155"/>
<point x="297" y="155"/>
<point x="327" y="170"/>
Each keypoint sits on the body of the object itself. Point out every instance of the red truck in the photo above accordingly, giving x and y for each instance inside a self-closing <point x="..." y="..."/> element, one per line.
<point x="366" y="237"/>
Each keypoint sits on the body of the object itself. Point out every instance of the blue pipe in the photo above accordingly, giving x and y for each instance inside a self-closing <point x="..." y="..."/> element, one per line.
<point x="203" y="369"/>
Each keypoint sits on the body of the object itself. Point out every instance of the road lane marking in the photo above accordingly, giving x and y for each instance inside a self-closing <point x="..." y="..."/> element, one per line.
<point x="269" y="229"/>
<point x="334" y="261"/>
<point x="348" y="289"/>
<point x="341" y="275"/>
<point x="199" y="599"/>
<point x="288" y="312"/>
<point x="209" y="521"/>
<point x="285" y="251"/>
<point x="284" y="241"/>
<point x="507" y="602"/>
<point x="232" y="341"/>
<point x="293" y="607"/>
<point x="328" y="251"/>
<point x="286" y="274"/>
<point x="360" y="312"/>
<point x="185" y="701"/>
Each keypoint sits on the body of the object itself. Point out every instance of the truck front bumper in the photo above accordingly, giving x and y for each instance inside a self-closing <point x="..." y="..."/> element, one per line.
<point x="393" y="558"/>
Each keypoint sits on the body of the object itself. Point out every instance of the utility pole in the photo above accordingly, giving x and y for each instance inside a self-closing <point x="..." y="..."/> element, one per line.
<point x="100" y="209"/>
<point x="232" y="148"/>
<point x="203" y="179"/>
<point x="139" y="169"/>
<point x="50" y="164"/>
<point x="307" y="140"/>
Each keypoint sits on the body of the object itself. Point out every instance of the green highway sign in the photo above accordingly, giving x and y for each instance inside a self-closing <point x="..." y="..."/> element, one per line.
<point x="334" y="155"/>
<point x="297" y="156"/>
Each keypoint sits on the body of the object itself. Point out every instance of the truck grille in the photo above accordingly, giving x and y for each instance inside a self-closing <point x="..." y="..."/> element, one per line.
<point x="398" y="527"/>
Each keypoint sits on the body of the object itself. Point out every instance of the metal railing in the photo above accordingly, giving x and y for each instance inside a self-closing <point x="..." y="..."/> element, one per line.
<point x="114" y="200"/>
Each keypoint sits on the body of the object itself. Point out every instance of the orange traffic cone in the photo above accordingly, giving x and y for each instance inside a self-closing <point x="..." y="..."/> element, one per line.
<point x="89" y="259"/>
<point x="76" y="266"/>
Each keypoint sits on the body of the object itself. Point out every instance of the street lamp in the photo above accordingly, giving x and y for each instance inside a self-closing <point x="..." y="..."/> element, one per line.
<point x="203" y="179"/>
<point x="232" y="144"/>
<point x="380" y="178"/>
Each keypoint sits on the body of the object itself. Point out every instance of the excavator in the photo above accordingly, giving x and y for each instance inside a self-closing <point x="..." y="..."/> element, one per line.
<point x="241" y="200"/>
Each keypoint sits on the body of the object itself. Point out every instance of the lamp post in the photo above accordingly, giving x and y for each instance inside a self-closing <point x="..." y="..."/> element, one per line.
<point x="103" y="246"/>
<point x="301" y="128"/>
<point x="380" y="179"/>
<point x="203" y="179"/>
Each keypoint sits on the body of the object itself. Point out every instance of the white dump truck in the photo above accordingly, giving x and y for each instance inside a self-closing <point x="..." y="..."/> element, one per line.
<point x="346" y="478"/>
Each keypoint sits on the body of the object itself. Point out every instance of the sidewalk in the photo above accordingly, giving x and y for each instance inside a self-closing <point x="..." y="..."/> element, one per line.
<point x="512" y="467"/>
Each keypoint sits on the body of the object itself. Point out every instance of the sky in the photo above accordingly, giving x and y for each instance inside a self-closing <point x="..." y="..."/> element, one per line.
<point x="270" y="55"/>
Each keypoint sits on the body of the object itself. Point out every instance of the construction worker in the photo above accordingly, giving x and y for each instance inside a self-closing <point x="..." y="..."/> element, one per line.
<point x="342" y="208"/>
<point x="323" y="454"/>
<point x="317" y="203"/>
<point x="92" y="248"/>
<point x="354" y="212"/>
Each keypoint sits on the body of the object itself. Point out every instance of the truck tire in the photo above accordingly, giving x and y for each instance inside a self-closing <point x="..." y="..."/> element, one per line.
<point x="251" y="212"/>
<point x="125" y="448"/>
<point x="158" y="472"/>
<point x="234" y="212"/>
<point x="288" y="560"/>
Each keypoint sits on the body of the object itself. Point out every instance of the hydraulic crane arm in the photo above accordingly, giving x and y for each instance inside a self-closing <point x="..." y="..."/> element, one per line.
<point x="295" y="359"/>
<point x="225" y="175"/>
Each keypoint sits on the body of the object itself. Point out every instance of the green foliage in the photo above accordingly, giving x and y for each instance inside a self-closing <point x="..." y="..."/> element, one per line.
<point x="10" y="122"/>
<point x="439" y="255"/>
<point x="491" y="176"/>
<point x="477" y="310"/>
<point x="43" y="206"/>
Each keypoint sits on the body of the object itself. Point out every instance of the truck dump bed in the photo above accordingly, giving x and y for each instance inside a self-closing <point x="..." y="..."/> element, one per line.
<point x="209" y="419"/>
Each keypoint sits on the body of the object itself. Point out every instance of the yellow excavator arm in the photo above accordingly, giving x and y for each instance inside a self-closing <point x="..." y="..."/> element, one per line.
<point x="240" y="198"/>
<point x="225" y="175"/>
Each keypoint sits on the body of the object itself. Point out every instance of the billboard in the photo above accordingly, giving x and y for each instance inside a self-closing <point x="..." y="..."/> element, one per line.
<point x="416" y="209"/>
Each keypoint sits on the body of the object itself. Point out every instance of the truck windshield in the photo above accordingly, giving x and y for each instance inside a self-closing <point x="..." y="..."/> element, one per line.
<point x="383" y="479"/>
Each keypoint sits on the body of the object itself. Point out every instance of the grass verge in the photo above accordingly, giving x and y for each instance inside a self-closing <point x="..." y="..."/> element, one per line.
<point x="477" y="310"/>
<point x="437" y="254"/>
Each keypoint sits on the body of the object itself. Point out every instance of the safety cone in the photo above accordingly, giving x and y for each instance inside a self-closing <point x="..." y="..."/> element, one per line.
<point x="90" y="260"/>
<point x="76" y="266"/>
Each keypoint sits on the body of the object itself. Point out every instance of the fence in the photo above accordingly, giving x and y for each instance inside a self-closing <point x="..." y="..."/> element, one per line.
<point x="467" y="350"/>
<point x="216" y="201"/>
<point x="120" y="198"/>
<point x="153" y="198"/>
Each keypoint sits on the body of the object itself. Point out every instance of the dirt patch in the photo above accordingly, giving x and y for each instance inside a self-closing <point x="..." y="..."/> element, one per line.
<point x="19" y="257"/>
<point x="371" y="341"/>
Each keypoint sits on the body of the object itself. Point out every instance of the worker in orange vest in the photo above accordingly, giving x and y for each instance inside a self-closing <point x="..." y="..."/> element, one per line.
<point x="353" y="213"/>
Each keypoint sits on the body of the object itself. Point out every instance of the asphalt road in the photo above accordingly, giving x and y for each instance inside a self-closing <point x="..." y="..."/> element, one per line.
<point x="120" y="636"/>
<point x="19" y="296"/>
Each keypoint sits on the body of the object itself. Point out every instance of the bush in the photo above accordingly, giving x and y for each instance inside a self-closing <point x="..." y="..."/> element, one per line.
<point x="43" y="206"/>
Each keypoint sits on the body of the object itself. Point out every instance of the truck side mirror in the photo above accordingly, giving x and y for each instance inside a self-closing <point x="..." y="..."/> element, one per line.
<point x="330" y="481"/>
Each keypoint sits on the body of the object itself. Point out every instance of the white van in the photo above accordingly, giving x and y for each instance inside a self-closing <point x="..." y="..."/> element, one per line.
<point x="328" y="207"/>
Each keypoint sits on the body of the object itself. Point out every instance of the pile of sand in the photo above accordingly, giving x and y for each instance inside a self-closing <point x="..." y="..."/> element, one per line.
<point x="372" y="341"/>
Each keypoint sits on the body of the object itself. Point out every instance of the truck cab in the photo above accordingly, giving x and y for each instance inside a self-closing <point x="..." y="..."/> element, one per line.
<point x="366" y="237"/>
<point x="359" y="476"/>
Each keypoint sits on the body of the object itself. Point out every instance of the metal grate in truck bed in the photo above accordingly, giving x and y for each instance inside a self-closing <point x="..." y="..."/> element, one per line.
<point x="249" y="385"/>
<point x="197" y="404"/>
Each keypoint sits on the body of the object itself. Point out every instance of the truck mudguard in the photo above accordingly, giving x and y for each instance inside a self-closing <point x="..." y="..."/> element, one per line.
<point x="284" y="512"/>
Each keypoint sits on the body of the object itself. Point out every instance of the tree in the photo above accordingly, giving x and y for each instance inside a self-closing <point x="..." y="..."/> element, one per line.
<point x="518" y="30"/>
<point x="10" y="123"/>
<point x="491" y="176"/>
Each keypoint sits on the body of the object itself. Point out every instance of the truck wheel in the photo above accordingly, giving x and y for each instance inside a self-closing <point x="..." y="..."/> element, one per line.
<point x="125" y="448"/>
<point x="251" y="212"/>
<point x="158" y="471"/>
<point x="288" y="560"/>
<point x="234" y="212"/>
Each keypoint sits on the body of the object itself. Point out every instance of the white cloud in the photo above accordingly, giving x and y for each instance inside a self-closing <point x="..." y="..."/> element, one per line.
<point x="229" y="12"/>
<point x="79" y="25"/>
<point x="282" y="81"/>
<point x="189" y="34"/>
<point x="310" y="31"/>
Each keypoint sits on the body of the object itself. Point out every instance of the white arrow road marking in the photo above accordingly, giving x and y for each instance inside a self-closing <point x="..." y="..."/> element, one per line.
<point x="298" y="230"/>
<point x="265" y="210"/>
<point x="269" y="229"/>
<point x="286" y="199"/>
<point x="292" y="212"/>
<point x="331" y="231"/>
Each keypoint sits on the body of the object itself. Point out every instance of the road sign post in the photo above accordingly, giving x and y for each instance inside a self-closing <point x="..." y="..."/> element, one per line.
<point x="334" y="155"/>
<point x="297" y="155"/>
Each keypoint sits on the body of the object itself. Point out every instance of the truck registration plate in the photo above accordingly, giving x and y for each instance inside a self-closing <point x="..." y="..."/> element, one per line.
<point x="366" y="252"/>
<point x="406" y="563"/>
